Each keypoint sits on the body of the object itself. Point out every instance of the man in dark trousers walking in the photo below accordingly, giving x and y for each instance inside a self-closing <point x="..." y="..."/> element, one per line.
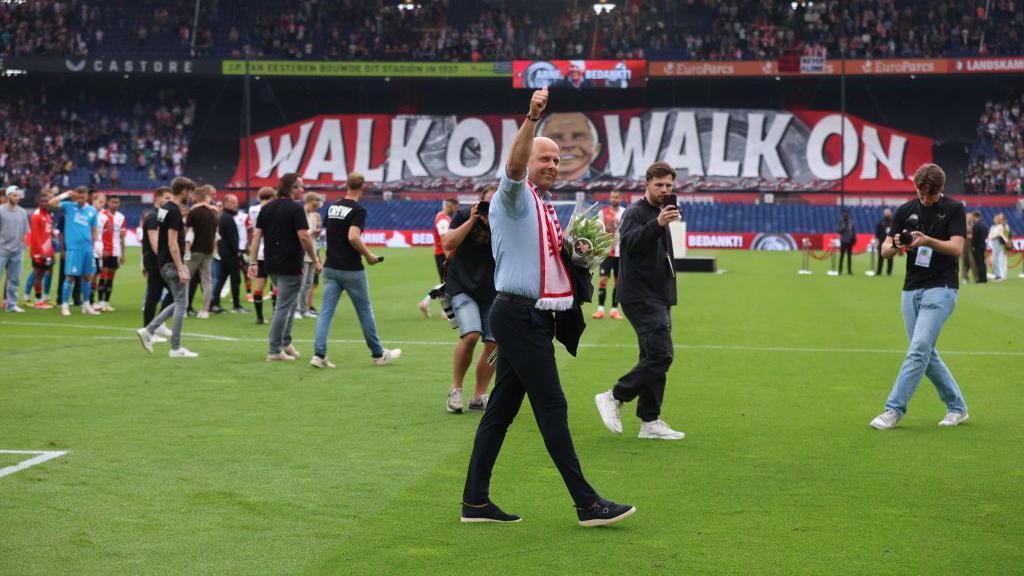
<point x="230" y="256"/>
<point x="847" y="238"/>
<point x="647" y="290"/>
<point x="285" y="233"/>
<point x="532" y="284"/>
<point x="979" y="234"/>
<point x="881" y="233"/>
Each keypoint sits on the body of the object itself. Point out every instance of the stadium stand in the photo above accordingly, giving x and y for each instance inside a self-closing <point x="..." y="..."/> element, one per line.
<point x="67" y="139"/>
<point x="507" y="29"/>
<point x="997" y="161"/>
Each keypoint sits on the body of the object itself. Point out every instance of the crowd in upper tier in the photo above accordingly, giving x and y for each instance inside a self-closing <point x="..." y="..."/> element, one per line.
<point x="486" y="30"/>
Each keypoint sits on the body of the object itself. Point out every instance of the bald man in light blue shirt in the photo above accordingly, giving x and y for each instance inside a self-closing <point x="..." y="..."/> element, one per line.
<point x="526" y="356"/>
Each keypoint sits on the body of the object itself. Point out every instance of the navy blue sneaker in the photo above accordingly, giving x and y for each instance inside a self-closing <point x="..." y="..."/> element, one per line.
<point x="486" y="513"/>
<point x="603" y="513"/>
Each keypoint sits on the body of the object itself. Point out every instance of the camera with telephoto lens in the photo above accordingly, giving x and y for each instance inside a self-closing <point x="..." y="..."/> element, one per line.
<point x="438" y="293"/>
<point x="912" y="224"/>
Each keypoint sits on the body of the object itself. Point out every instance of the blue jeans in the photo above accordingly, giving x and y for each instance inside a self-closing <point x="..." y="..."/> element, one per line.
<point x="354" y="281"/>
<point x="924" y="313"/>
<point x="11" y="263"/>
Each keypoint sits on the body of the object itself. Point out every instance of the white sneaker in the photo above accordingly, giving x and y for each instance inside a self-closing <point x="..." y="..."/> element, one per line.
<point x="296" y="316"/>
<point x="279" y="357"/>
<point x="89" y="310"/>
<point x="388" y="357"/>
<point x="954" y="418"/>
<point x="65" y="310"/>
<point x="16" y="309"/>
<point x="318" y="362"/>
<point x="156" y="339"/>
<point x="164" y="331"/>
<point x="610" y="410"/>
<point x="203" y="315"/>
<point x="309" y="314"/>
<point x="146" y="338"/>
<point x="182" y="353"/>
<point x="291" y="351"/>
<point x="659" y="430"/>
<point x="424" y="306"/>
<point x="886" y="420"/>
<point x="455" y="400"/>
<point x="108" y="308"/>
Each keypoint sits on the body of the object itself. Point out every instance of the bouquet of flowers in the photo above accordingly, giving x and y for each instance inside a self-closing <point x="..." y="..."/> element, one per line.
<point x="586" y="238"/>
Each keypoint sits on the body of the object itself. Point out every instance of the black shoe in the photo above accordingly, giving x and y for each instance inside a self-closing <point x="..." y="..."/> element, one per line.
<point x="239" y="310"/>
<point x="216" y="310"/>
<point x="603" y="513"/>
<point x="487" y="513"/>
<point x="191" y="313"/>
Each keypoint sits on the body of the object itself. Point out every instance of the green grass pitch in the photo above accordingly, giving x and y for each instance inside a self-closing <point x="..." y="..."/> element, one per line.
<point x="229" y="465"/>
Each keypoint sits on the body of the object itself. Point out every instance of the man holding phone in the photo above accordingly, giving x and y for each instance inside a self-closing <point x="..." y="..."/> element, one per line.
<point x="470" y="285"/>
<point x="647" y="291"/>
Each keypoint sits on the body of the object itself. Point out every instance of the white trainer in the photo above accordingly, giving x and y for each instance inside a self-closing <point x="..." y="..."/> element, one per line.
<point x="157" y="339"/>
<point x="203" y="315"/>
<point x="279" y="357"/>
<point x="89" y="310"/>
<point x="659" y="430"/>
<point x="886" y="420"/>
<point x="108" y="308"/>
<point x="389" y="357"/>
<point x="146" y="338"/>
<point x="65" y="310"/>
<point x="296" y="316"/>
<point x="182" y="353"/>
<point x="455" y="400"/>
<point x="291" y="351"/>
<point x="16" y="309"/>
<point x="954" y="418"/>
<point x="610" y="410"/>
<point x="318" y="362"/>
<point x="164" y="331"/>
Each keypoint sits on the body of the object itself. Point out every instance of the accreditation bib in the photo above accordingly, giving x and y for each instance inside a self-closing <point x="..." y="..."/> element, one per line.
<point x="924" y="257"/>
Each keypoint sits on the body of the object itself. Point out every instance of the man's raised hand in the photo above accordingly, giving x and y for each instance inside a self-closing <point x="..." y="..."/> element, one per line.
<point x="539" y="102"/>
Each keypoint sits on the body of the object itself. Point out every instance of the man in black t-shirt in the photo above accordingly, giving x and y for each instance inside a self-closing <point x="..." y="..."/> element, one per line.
<point x="470" y="285"/>
<point x="170" y="255"/>
<point x="150" y="268"/>
<point x="929" y="293"/>
<point x="282" y="227"/>
<point x="343" y="271"/>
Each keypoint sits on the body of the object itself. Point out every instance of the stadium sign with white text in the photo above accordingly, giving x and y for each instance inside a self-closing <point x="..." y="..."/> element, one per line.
<point x="713" y="149"/>
<point x="822" y="67"/>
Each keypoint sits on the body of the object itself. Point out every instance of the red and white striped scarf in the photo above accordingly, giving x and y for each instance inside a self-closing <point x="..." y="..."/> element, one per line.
<point x="555" y="286"/>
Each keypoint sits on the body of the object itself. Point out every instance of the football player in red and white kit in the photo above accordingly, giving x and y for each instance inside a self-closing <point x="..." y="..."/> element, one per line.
<point x="112" y="234"/>
<point x="41" y="248"/>
<point x="442" y="220"/>
<point x="611" y="215"/>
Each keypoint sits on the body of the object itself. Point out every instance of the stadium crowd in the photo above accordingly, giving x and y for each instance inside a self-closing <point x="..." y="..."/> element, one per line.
<point x="512" y="29"/>
<point x="44" y="143"/>
<point x="997" y="162"/>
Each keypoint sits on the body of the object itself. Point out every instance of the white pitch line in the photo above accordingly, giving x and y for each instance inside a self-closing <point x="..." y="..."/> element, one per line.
<point x="712" y="347"/>
<point x="42" y="456"/>
<point x="115" y="328"/>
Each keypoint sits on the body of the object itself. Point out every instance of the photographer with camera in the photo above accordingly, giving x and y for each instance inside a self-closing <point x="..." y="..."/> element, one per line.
<point x="647" y="290"/>
<point x="469" y="283"/>
<point x="932" y="228"/>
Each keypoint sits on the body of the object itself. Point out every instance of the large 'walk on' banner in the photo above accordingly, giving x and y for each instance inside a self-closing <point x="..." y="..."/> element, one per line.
<point x="713" y="149"/>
